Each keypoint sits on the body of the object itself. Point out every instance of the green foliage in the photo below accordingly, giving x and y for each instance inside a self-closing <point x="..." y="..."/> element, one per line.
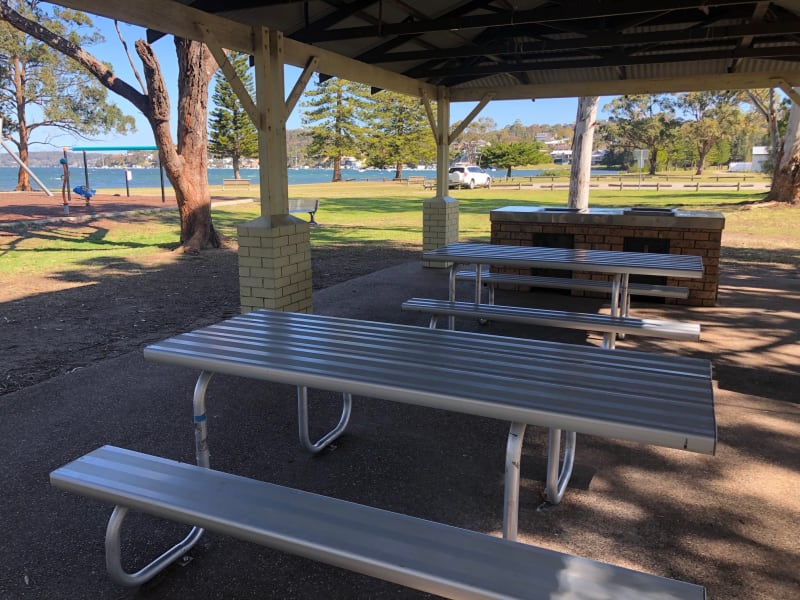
<point x="334" y="116"/>
<point x="720" y="153"/>
<point x="231" y="132"/>
<point x="514" y="154"/>
<point x="399" y="132"/>
<point x="43" y="88"/>
<point x="640" y="122"/>
<point x="714" y="116"/>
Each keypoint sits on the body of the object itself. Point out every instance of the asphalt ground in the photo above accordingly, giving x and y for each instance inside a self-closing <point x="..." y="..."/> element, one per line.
<point x="728" y="522"/>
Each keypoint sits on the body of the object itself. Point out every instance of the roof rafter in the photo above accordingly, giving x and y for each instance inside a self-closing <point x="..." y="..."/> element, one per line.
<point x="546" y="14"/>
<point x="599" y="39"/>
<point x="479" y="71"/>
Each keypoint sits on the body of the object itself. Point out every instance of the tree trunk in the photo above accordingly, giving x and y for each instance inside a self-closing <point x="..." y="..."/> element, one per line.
<point x="187" y="165"/>
<point x="23" y="181"/>
<point x="337" y="168"/>
<point x="702" y="152"/>
<point x="398" y="170"/>
<point x="786" y="179"/>
<point x="235" y="161"/>
<point x="581" y="167"/>
<point x="508" y="172"/>
<point x="774" y="134"/>
<point x="653" y="160"/>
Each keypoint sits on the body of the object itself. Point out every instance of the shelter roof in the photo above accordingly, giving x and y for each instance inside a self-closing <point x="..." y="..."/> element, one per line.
<point x="535" y="48"/>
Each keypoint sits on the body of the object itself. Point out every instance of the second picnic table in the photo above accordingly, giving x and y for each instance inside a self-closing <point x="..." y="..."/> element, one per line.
<point x="620" y="265"/>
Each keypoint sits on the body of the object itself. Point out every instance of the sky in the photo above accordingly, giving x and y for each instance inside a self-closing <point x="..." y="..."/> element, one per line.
<point x="505" y="112"/>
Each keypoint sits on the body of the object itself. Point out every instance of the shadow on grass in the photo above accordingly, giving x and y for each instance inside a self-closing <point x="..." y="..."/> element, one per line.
<point x="87" y="236"/>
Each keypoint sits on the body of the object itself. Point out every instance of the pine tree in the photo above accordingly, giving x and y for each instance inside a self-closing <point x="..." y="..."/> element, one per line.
<point x="400" y="131"/>
<point x="334" y="120"/>
<point x="231" y="132"/>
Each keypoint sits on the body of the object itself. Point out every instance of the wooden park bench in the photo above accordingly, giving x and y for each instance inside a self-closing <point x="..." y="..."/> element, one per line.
<point x="305" y="205"/>
<point x="416" y="180"/>
<point x="423" y="555"/>
<point x="610" y="326"/>
<point x="235" y="183"/>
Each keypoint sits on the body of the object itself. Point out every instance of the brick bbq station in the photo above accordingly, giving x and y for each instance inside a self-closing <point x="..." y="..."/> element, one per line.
<point x="665" y="230"/>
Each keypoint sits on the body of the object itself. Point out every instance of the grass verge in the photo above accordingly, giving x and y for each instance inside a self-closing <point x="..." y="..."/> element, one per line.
<point x="366" y="213"/>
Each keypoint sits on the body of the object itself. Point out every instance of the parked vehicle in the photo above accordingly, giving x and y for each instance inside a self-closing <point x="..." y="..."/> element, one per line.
<point x="470" y="177"/>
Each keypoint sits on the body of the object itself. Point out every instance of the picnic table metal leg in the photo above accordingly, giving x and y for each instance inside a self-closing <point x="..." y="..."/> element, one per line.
<point x="302" y="420"/>
<point x="479" y="290"/>
<point x="114" y="528"/>
<point x="557" y="479"/>
<point x="625" y="299"/>
<point x="617" y="306"/>
<point x="625" y="294"/>
<point x="478" y="283"/>
<point x="516" y="435"/>
<point x="451" y="320"/>
<point x="610" y="340"/>
<point x="616" y="285"/>
<point x="200" y="420"/>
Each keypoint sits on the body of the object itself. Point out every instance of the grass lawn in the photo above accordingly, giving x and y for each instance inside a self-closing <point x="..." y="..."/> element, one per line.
<point x="378" y="213"/>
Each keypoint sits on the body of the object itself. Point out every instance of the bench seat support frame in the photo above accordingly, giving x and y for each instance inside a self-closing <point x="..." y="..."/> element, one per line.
<point x="203" y="456"/>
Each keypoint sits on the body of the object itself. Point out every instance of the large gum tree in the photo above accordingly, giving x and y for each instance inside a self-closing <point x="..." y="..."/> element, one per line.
<point x="185" y="160"/>
<point x="786" y="179"/>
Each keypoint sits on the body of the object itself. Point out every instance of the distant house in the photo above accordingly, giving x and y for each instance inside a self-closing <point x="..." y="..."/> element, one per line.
<point x="760" y="156"/>
<point x="561" y="157"/>
<point x="756" y="165"/>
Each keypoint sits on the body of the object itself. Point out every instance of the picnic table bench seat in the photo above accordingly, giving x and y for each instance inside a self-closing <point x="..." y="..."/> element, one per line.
<point x="492" y="279"/>
<point x="423" y="555"/>
<point x="608" y="325"/>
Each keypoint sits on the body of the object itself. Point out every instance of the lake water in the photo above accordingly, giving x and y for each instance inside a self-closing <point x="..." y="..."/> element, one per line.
<point x="149" y="178"/>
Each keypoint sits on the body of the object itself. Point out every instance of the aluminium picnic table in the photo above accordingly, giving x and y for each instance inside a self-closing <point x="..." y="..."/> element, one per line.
<point x="620" y="265"/>
<point x="629" y="395"/>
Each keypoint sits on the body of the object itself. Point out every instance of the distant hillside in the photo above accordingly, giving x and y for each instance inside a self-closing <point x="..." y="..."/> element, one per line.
<point x="50" y="158"/>
<point x="35" y="159"/>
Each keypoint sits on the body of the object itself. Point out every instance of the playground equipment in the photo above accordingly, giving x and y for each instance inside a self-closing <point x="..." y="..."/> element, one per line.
<point x="84" y="149"/>
<point x="84" y="192"/>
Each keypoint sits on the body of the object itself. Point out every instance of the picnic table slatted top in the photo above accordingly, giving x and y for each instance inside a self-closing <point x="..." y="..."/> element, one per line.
<point x="601" y="261"/>
<point x="628" y="395"/>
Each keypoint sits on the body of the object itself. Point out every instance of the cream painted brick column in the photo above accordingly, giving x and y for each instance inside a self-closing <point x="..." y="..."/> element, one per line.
<point x="439" y="225"/>
<point x="275" y="265"/>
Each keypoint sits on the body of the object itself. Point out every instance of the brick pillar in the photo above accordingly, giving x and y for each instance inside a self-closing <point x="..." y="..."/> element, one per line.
<point x="439" y="225"/>
<point x="275" y="264"/>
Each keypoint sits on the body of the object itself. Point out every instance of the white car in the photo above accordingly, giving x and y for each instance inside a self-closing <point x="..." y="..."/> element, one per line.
<point x="470" y="177"/>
